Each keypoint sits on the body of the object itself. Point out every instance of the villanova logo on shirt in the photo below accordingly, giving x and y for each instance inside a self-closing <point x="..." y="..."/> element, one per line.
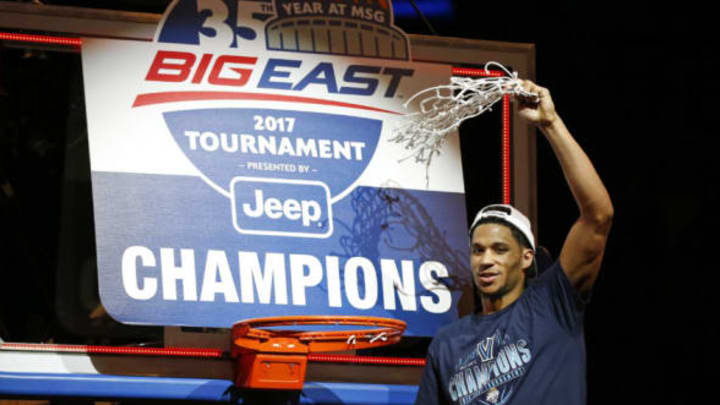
<point x="489" y="374"/>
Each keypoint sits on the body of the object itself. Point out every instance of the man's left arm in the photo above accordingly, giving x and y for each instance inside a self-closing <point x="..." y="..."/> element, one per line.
<point x="584" y="246"/>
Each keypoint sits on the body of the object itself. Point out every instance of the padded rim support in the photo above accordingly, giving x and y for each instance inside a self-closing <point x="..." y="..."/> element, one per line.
<point x="112" y="386"/>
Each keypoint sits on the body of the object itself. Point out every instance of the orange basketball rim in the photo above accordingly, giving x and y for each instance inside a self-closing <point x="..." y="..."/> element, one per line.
<point x="277" y="359"/>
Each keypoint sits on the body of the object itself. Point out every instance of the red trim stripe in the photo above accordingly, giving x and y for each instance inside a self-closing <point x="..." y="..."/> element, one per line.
<point x="204" y="353"/>
<point x="140" y="351"/>
<point x="385" y="361"/>
<point x="506" y="185"/>
<point x="179" y="96"/>
<point x="506" y="170"/>
<point x="43" y="39"/>
<point x="476" y="72"/>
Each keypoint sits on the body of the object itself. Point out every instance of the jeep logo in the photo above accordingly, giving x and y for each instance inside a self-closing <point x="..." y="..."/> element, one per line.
<point x="266" y="206"/>
<point x="306" y="210"/>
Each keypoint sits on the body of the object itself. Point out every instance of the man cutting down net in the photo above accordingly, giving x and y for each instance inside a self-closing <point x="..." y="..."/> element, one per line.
<point x="526" y="344"/>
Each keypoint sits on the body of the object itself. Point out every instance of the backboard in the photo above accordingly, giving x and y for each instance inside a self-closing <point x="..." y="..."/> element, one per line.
<point x="384" y="217"/>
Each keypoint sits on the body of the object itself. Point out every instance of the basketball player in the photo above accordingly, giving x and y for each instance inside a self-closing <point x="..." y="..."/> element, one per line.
<point x="526" y="344"/>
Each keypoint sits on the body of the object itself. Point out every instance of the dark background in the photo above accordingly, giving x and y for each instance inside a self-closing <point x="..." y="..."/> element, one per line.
<point x="636" y="84"/>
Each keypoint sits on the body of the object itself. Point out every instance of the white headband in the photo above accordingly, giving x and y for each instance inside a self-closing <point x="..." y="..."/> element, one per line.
<point x="509" y="214"/>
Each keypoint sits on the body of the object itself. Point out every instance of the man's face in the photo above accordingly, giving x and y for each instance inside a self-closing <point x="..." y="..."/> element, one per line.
<point x="498" y="260"/>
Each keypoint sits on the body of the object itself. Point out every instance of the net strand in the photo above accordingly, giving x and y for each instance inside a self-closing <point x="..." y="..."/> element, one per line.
<point x="441" y="110"/>
<point x="380" y="336"/>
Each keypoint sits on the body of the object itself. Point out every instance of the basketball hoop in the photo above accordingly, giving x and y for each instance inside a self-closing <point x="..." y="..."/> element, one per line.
<point x="441" y="110"/>
<point x="277" y="359"/>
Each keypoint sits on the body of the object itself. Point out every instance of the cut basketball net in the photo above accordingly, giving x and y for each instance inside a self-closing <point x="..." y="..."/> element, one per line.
<point x="441" y="109"/>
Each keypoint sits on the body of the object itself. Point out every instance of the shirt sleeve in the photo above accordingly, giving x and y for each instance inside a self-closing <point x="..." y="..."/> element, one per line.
<point x="430" y="391"/>
<point x="566" y="303"/>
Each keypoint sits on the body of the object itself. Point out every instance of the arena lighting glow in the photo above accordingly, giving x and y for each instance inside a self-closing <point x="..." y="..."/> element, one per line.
<point x="456" y="71"/>
<point x="41" y="39"/>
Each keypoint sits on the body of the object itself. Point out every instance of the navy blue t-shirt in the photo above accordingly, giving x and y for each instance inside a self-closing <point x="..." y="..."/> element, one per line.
<point x="531" y="352"/>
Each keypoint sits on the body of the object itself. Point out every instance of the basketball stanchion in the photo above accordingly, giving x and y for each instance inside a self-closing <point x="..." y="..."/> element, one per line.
<point x="277" y="359"/>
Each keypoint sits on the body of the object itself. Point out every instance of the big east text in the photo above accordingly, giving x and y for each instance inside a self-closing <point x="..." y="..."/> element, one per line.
<point x="234" y="70"/>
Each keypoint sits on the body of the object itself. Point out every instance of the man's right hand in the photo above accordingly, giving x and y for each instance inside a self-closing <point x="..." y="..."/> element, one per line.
<point x="541" y="113"/>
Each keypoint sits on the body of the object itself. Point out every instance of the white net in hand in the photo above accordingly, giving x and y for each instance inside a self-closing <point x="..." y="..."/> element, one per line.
<point x="441" y="109"/>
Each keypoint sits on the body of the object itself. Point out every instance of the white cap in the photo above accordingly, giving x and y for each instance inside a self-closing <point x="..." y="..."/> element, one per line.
<point x="509" y="214"/>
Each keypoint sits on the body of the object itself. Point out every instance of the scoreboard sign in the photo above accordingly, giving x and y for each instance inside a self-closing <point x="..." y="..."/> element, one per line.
<point x="241" y="167"/>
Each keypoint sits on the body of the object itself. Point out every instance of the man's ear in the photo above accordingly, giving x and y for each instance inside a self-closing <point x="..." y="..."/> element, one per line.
<point x="527" y="257"/>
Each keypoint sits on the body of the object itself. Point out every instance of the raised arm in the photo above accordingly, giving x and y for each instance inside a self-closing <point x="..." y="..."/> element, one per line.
<point x="584" y="246"/>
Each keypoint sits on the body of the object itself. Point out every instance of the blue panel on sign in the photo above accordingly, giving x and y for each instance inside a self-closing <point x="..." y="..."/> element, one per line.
<point x="115" y="386"/>
<point x="100" y="386"/>
<point x="357" y="394"/>
<point x="179" y="260"/>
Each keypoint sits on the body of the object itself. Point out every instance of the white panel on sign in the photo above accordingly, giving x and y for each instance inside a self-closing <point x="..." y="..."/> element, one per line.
<point x="234" y="157"/>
